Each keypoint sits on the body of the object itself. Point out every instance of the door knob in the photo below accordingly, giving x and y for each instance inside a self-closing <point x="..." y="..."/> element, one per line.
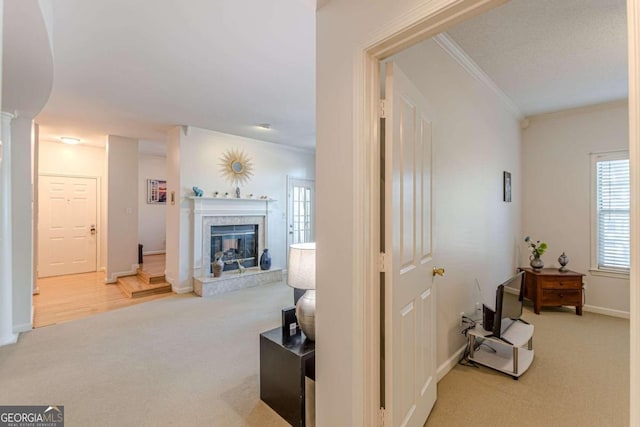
<point x="438" y="271"/>
<point x="93" y="229"/>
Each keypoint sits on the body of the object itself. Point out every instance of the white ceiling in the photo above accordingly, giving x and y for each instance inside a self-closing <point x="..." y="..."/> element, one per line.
<point x="26" y="62"/>
<point x="550" y="55"/>
<point x="136" y="68"/>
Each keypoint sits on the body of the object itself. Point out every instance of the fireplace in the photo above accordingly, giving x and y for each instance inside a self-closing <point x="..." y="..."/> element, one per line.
<point x="237" y="228"/>
<point x="237" y="243"/>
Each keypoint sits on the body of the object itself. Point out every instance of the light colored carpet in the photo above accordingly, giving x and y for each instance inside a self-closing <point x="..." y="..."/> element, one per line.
<point x="182" y="360"/>
<point x="189" y="361"/>
<point x="579" y="377"/>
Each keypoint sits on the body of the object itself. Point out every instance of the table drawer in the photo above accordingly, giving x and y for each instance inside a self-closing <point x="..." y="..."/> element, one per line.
<point x="560" y="282"/>
<point x="552" y="297"/>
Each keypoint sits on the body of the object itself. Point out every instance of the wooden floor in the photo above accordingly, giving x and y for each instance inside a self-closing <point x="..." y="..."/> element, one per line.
<point x="65" y="298"/>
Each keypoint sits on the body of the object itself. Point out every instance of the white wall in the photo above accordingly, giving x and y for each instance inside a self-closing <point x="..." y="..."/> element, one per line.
<point x="151" y="217"/>
<point x="175" y="253"/>
<point x="344" y="29"/>
<point x="122" y="206"/>
<point x="79" y="160"/>
<point x="198" y="158"/>
<point x="475" y="233"/>
<point x="556" y="168"/>
<point x="21" y="222"/>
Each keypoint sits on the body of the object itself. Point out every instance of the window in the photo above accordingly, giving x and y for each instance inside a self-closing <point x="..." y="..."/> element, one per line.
<point x="610" y="251"/>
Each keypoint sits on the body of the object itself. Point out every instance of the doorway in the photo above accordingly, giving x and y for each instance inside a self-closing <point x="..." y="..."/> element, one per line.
<point x="371" y="78"/>
<point x="67" y="225"/>
<point x="300" y="210"/>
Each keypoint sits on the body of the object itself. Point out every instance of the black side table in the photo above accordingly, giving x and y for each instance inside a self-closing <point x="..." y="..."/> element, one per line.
<point x="283" y="368"/>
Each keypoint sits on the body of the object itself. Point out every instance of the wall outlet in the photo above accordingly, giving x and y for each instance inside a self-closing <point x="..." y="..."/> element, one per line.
<point x="478" y="306"/>
<point x="461" y="316"/>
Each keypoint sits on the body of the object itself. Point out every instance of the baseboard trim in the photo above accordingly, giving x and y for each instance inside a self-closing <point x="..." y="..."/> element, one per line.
<point x="23" y="327"/>
<point x="114" y="277"/>
<point x="175" y="288"/>
<point x="607" y="311"/>
<point x="450" y="363"/>
<point x="153" y="252"/>
<point x="185" y="290"/>
<point x="9" y="339"/>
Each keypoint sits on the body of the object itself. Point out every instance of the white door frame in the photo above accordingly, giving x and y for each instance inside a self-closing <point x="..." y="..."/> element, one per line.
<point x="98" y="214"/>
<point x="417" y="25"/>
<point x="633" y="29"/>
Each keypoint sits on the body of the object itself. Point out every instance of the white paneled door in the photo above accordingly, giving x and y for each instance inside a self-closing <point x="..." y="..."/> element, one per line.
<point x="410" y="297"/>
<point x="67" y="225"/>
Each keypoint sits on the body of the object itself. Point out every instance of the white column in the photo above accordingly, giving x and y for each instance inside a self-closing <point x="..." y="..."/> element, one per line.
<point x="7" y="336"/>
<point x="21" y="222"/>
<point x="6" y="291"/>
<point x="35" y="134"/>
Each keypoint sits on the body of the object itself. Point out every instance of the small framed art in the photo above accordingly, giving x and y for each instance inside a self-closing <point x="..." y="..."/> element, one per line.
<point x="156" y="191"/>
<point x="506" y="186"/>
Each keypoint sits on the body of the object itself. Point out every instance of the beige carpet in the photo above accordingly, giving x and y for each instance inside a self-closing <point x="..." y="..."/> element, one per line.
<point x="579" y="377"/>
<point x="189" y="361"/>
<point x="182" y="360"/>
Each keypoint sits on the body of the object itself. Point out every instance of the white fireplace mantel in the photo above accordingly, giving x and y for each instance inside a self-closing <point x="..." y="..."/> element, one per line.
<point x="223" y="205"/>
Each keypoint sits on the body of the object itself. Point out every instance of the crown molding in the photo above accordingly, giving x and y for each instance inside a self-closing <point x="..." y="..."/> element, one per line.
<point x="460" y="56"/>
<point x="602" y="106"/>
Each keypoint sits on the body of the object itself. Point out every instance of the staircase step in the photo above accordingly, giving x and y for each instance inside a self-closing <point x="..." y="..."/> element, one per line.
<point x="151" y="277"/>
<point x="134" y="287"/>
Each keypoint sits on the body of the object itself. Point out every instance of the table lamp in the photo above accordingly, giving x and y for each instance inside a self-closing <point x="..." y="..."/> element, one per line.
<point x="301" y="274"/>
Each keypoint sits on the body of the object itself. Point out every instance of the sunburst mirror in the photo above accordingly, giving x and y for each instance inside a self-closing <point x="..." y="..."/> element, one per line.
<point x="236" y="167"/>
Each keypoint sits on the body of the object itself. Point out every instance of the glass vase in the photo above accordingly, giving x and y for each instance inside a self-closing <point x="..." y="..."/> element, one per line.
<point x="536" y="262"/>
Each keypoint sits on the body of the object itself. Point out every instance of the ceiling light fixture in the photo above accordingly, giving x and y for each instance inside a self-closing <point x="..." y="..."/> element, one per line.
<point x="266" y="126"/>
<point x="69" y="140"/>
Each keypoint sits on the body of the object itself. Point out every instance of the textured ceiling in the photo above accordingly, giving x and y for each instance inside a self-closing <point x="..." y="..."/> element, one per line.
<point x="136" y="68"/>
<point x="550" y="55"/>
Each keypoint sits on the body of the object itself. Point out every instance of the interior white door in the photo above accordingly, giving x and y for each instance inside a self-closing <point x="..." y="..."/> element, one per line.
<point x="409" y="291"/>
<point x="67" y="225"/>
<point x="300" y="210"/>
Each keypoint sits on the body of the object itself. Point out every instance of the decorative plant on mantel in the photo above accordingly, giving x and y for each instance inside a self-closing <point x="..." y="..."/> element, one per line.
<point x="537" y="249"/>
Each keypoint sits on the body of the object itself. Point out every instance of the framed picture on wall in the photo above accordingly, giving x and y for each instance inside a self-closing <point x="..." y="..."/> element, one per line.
<point x="506" y="186"/>
<point x="156" y="191"/>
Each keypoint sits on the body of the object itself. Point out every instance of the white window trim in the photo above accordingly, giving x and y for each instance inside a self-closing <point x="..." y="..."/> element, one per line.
<point x="595" y="270"/>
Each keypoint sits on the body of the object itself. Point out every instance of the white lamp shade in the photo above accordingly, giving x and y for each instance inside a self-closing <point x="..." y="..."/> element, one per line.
<point x="301" y="272"/>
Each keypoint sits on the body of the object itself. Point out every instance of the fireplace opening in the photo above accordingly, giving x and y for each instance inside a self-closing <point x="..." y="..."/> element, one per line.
<point x="237" y="243"/>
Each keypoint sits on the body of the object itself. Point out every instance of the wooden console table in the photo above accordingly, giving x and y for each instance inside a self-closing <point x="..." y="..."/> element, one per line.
<point x="550" y="287"/>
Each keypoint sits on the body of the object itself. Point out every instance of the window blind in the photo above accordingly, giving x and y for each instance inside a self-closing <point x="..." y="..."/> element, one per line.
<point x="612" y="200"/>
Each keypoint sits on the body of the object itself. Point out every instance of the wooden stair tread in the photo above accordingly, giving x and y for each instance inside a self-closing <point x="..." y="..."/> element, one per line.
<point x="151" y="276"/>
<point x="152" y="269"/>
<point x="134" y="287"/>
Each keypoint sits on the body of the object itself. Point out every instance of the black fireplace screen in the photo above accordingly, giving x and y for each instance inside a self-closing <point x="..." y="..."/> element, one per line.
<point x="237" y="243"/>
